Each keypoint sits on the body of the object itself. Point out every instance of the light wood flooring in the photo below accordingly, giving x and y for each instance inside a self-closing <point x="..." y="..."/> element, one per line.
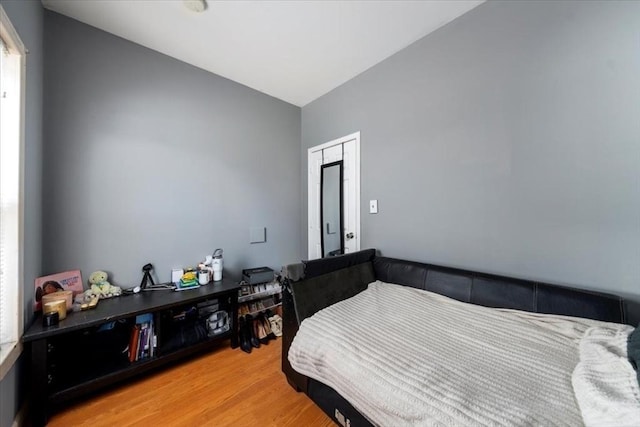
<point x="222" y="388"/>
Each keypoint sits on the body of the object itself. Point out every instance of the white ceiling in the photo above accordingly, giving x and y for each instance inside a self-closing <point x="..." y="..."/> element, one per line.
<point x="293" y="50"/>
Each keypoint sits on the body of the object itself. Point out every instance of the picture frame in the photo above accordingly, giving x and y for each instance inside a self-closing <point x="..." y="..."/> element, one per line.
<point x="67" y="280"/>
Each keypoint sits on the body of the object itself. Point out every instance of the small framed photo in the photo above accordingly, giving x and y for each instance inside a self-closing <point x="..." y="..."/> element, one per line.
<point x="66" y="281"/>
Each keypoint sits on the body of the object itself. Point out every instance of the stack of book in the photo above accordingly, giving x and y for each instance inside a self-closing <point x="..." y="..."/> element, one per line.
<point x="187" y="281"/>
<point x="143" y="341"/>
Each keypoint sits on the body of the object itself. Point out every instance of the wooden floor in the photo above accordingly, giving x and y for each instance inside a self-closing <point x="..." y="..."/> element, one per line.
<point x="222" y="388"/>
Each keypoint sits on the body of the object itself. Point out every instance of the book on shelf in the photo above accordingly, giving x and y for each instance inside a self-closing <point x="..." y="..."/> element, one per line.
<point x="133" y="343"/>
<point x="143" y="341"/>
<point x="144" y="350"/>
<point x="183" y="287"/>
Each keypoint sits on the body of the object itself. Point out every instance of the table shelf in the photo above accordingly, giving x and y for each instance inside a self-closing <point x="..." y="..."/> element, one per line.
<point x="55" y="349"/>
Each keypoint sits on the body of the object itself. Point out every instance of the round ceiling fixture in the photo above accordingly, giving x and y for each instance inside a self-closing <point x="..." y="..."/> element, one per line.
<point x="195" y="5"/>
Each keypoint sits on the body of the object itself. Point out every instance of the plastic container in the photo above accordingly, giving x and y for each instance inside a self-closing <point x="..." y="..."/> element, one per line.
<point x="203" y="277"/>
<point x="58" y="306"/>
<point x="66" y="296"/>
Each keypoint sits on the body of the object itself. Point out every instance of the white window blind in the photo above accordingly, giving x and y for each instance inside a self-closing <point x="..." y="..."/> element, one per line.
<point x="10" y="117"/>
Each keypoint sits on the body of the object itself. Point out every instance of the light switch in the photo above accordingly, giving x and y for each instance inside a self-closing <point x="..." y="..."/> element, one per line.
<point x="258" y="235"/>
<point x="373" y="206"/>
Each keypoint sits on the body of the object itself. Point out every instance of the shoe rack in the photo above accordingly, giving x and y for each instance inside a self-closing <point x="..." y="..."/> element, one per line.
<point x="259" y="314"/>
<point x="253" y="299"/>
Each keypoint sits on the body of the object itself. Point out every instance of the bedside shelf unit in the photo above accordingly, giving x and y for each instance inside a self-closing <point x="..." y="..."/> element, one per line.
<point x="87" y="351"/>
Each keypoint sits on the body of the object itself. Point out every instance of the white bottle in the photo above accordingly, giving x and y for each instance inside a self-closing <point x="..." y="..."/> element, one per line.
<point x="216" y="264"/>
<point x="217" y="271"/>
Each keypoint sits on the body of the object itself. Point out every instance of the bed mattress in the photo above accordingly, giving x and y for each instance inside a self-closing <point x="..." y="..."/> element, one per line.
<point x="405" y="356"/>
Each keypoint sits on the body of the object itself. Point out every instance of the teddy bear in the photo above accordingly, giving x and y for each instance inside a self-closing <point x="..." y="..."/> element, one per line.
<point x="100" y="287"/>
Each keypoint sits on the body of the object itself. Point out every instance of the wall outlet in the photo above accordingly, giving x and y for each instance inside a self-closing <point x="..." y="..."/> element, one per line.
<point x="373" y="206"/>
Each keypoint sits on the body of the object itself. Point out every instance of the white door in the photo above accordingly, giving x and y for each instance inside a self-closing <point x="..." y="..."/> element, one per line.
<point x="346" y="149"/>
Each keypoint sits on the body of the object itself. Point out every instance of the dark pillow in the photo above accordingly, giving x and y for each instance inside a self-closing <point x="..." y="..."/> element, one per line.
<point x="633" y="350"/>
<point x="321" y="266"/>
<point x="316" y="293"/>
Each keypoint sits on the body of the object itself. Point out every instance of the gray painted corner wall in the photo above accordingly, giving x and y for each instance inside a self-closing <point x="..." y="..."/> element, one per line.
<point x="508" y="141"/>
<point x="149" y="159"/>
<point x="27" y="18"/>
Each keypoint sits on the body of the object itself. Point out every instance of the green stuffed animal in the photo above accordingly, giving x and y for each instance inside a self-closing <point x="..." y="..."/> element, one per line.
<point x="100" y="287"/>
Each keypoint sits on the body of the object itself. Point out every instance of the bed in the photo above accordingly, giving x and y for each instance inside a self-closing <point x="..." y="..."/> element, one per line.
<point x="381" y="341"/>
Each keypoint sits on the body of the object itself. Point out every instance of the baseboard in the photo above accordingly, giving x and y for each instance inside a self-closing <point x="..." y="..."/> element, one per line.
<point x="21" y="417"/>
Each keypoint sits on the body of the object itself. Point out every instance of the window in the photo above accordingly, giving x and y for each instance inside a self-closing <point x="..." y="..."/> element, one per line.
<point x="12" y="75"/>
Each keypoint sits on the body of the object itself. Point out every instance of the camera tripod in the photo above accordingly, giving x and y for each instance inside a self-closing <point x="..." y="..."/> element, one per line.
<point x="147" y="280"/>
<point x="148" y="283"/>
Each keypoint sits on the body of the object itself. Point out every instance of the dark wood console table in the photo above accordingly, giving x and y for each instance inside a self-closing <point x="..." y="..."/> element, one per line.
<point x="88" y="350"/>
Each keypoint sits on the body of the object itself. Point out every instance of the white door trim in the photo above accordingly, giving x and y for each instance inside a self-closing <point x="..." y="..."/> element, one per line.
<point x="351" y="137"/>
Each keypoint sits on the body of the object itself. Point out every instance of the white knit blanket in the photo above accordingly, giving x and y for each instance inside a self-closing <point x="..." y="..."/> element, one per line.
<point x="604" y="382"/>
<point x="404" y="356"/>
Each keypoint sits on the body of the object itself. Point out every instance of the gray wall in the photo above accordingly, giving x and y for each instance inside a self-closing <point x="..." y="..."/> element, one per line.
<point x="27" y="18"/>
<point x="149" y="159"/>
<point x="508" y="142"/>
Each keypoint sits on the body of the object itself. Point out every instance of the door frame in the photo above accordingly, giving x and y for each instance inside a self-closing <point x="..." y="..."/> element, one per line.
<point x="351" y="137"/>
